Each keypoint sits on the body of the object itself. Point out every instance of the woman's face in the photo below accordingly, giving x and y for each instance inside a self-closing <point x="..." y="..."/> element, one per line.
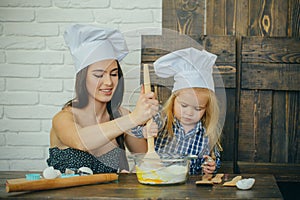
<point x="189" y="106"/>
<point x="102" y="80"/>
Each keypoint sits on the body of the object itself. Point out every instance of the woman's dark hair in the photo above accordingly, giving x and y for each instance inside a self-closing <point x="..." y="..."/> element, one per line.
<point x="81" y="100"/>
<point x="81" y="97"/>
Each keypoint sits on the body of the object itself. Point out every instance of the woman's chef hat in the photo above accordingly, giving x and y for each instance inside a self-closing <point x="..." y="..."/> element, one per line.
<point x="89" y="44"/>
<point x="190" y="68"/>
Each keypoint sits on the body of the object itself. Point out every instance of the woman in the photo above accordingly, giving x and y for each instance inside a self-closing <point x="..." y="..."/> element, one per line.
<point x="92" y="128"/>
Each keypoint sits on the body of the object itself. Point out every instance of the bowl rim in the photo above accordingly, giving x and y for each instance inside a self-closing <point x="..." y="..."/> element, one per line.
<point x="163" y="157"/>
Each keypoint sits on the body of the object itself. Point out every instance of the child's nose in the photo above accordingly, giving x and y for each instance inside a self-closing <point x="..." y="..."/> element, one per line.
<point x="188" y="111"/>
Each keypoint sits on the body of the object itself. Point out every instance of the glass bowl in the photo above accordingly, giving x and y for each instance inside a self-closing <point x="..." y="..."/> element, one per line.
<point x="168" y="169"/>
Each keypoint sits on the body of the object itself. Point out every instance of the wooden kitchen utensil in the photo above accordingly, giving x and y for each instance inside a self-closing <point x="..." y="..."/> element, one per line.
<point x="233" y="182"/>
<point x="150" y="140"/>
<point x="208" y="179"/>
<point x="217" y="178"/>
<point x="17" y="185"/>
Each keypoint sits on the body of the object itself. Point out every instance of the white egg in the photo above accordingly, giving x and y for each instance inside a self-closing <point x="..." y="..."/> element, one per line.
<point x="245" y="184"/>
<point x="85" y="171"/>
<point x="69" y="171"/>
<point x="51" y="173"/>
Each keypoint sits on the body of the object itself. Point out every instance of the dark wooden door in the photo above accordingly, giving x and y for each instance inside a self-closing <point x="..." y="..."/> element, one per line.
<point x="258" y="48"/>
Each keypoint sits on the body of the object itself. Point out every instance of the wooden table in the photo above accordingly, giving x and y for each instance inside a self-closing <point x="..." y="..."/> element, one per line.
<point x="127" y="187"/>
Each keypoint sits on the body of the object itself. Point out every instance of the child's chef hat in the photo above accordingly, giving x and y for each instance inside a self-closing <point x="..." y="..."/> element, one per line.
<point x="190" y="68"/>
<point x="89" y="44"/>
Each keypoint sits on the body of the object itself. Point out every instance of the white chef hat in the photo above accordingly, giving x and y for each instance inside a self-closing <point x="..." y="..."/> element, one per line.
<point x="89" y="44"/>
<point x="190" y="68"/>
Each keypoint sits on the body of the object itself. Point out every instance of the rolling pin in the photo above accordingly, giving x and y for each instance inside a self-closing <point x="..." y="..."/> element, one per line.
<point x="17" y="185"/>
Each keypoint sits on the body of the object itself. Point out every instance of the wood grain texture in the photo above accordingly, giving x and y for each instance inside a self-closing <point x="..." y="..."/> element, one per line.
<point x="241" y="24"/>
<point x="279" y="152"/>
<point x="255" y="124"/>
<point x="271" y="76"/>
<point x="268" y="17"/>
<point x="227" y="138"/>
<point x="17" y="185"/>
<point x="216" y="17"/>
<point x="270" y="50"/>
<point x="128" y="187"/>
<point x="246" y="145"/>
<point x="186" y="17"/>
<point x="285" y="126"/>
<point x="230" y="16"/>
<point x="294" y="18"/>
<point x="223" y="46"/>
<point x="283" y="172"/>
<point x="257" y="44"/>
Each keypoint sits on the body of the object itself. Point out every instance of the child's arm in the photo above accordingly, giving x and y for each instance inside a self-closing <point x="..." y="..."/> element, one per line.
<point x="140" y="131"/>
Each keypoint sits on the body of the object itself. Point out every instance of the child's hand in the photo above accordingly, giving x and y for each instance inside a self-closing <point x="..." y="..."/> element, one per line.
<point x="209" y="166"/>
<point x="150" y="130"/>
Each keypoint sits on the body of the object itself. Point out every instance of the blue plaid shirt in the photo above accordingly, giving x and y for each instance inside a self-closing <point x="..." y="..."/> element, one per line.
<point x="191" y="143"/>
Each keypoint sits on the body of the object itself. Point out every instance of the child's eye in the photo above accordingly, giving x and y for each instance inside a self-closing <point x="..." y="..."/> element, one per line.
<point x="198" y="109"/>
<point x="183" y="105"/>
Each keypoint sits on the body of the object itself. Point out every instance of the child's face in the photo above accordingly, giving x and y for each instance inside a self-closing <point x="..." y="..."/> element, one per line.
<point x="189" y="106"/>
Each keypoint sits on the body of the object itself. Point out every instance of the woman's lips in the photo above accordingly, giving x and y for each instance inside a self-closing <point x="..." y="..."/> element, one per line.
<point x="106" y="91"/>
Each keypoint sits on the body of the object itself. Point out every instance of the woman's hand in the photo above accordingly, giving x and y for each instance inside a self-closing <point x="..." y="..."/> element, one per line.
<point x="146" y="108"/>
<point x="150" y="130"/>
<point x="209" y="166"/>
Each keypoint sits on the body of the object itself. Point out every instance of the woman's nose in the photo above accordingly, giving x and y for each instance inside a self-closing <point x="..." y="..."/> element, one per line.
<point x="107" y="79"/>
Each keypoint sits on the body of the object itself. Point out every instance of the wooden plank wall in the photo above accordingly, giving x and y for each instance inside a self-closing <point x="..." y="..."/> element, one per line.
<point x="270" y="81"/>
<point x="257" y="43"/>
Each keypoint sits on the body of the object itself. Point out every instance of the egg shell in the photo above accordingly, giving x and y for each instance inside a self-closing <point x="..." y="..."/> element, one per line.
<point x="85" y="170"/>
<point x="245" y="184"/>
<point x="51" y="173"/>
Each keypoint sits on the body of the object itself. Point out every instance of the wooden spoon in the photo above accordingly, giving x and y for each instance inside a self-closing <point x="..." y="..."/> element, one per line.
<point x="233" y="181"/>
<point x="206" y="180"/>
<point x="217" y="178"/>
<point x="150" y="139"/>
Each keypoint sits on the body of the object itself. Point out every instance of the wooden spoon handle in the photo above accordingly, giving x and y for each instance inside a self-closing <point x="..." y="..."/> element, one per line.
<point x="206" y="180"/>
<point x="147" y="88"/>
<point x="217" y="178"/>
<point x="147" y="84"/>
<point x="150" y="142"/>
<point x="233" y="181"/>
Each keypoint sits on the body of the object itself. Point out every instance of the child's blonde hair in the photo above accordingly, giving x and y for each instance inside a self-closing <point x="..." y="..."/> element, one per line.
<point x="210" y="119"/>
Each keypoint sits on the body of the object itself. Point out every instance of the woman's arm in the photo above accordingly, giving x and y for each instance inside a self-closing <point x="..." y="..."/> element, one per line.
<point x="136" y="137"/>
<point x="95" y="136"/>
<point x="136" y="145"/>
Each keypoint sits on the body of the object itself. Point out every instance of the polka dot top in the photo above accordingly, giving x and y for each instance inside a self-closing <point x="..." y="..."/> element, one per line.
<point x="74" y="159"/>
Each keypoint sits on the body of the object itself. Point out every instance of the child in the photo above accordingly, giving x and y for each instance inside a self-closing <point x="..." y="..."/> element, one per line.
<point x="188" y="123"/>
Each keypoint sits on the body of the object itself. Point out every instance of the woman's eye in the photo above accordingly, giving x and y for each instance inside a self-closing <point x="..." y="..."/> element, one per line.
<point x="98" y="75"/>
<point x="114" y="74"/>
<point x="198" y="109"/>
